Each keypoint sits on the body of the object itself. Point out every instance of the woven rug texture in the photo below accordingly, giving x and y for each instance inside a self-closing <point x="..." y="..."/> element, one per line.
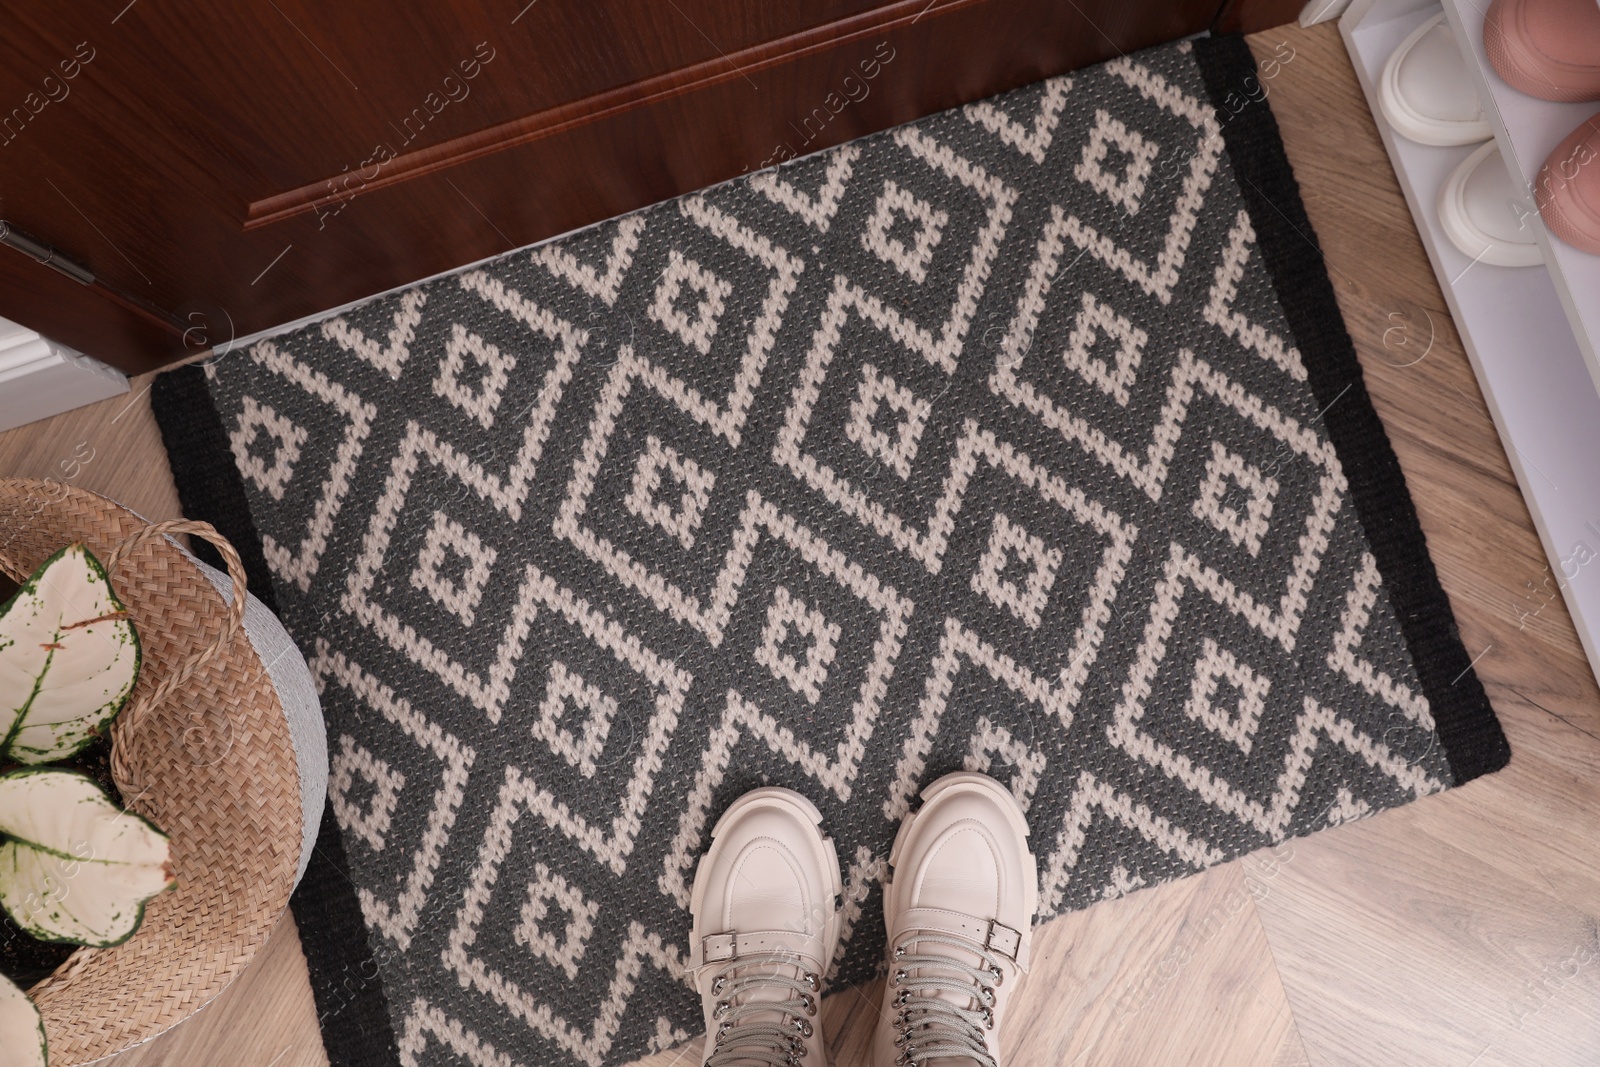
<point x="1025" y="438"/>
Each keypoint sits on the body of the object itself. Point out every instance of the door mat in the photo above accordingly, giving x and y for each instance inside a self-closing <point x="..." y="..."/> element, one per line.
<point x="1024" y="438"/>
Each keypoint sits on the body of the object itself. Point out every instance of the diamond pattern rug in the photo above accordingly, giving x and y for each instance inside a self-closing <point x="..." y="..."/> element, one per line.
<point x="1025" y="438"/>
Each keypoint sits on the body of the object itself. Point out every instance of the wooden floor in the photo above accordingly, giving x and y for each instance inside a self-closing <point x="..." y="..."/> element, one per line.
<point x="1460" y="931"/>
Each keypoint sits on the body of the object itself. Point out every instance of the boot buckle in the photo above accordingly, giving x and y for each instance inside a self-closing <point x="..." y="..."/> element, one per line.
<point x="1003" y="940"/>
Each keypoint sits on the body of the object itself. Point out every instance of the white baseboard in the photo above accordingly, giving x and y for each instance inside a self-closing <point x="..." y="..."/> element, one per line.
<point x="39" y="378"/>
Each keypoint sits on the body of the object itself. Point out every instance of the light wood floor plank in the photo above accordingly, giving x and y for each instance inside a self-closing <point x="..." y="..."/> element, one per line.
<point x="1443" y="932"/>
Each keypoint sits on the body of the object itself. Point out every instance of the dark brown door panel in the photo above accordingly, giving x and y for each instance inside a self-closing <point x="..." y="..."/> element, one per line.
<point x="242" y="165"/>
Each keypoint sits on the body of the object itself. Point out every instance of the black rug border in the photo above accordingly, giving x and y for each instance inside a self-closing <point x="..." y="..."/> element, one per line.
<point x="352" y="1005"/>
<point x="346" y="983"/>
<point x="1469" y="732"/>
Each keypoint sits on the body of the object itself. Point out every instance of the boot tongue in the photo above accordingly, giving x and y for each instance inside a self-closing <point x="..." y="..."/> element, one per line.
<point x="768" y="888"/>
<point x="965" y="882"/>
<point x="966" y="1002"/>
<point x="783" y="997"/>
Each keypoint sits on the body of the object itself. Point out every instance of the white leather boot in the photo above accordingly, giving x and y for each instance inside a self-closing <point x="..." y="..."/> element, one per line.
<point x="766" y="923"/>
<point x="959" y="903"/>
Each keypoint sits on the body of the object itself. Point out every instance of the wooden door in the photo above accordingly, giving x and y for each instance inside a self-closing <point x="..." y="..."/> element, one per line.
<point x="220" y="168"/>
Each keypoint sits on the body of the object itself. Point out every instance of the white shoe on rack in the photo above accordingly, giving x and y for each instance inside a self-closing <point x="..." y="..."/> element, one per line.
<point x="766" y="924"/>
<point x="1486" y="215"/>
<point x="959" y="904"/>
<point x="1426" y="91"/>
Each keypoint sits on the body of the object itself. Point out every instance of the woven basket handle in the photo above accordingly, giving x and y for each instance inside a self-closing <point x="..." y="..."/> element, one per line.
<point x="231" y="624"/>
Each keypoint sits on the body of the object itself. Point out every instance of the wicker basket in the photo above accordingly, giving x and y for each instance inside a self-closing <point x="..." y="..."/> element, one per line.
<point x="203" y="749"/>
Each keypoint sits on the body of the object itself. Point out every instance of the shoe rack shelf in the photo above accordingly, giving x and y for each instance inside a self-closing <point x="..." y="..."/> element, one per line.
<point x="1527" y="130"/>
<point x="1530" y="332"/>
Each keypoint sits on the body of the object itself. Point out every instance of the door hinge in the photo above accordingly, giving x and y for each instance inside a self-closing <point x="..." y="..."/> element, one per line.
<point x="50" y="256"/>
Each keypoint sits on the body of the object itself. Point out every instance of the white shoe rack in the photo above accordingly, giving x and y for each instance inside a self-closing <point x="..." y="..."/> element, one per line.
<point x="1530" y="332"/>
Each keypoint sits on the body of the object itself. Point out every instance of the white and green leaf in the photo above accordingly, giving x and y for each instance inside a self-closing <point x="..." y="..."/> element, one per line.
<point x="73" y="866"/>
<point x="69" y="657"/>
<point x="21" y="1029"/>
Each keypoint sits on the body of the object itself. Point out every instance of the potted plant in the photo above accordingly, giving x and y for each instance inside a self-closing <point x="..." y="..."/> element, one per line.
<point x="75" y="868"/>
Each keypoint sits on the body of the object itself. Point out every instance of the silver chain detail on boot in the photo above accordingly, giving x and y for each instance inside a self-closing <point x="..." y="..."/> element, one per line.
<point x="741" y="1039"/>
<point x="931" y="1028"/>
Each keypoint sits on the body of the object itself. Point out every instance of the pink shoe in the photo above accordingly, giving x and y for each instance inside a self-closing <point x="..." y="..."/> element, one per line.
<point x="1568" y="189"/>
<point x="1546" y="48"/>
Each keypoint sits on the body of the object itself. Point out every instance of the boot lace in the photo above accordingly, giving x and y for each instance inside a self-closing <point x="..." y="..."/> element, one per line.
<point x="762" y="1033"/>
<point x="932" y="1027"/>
